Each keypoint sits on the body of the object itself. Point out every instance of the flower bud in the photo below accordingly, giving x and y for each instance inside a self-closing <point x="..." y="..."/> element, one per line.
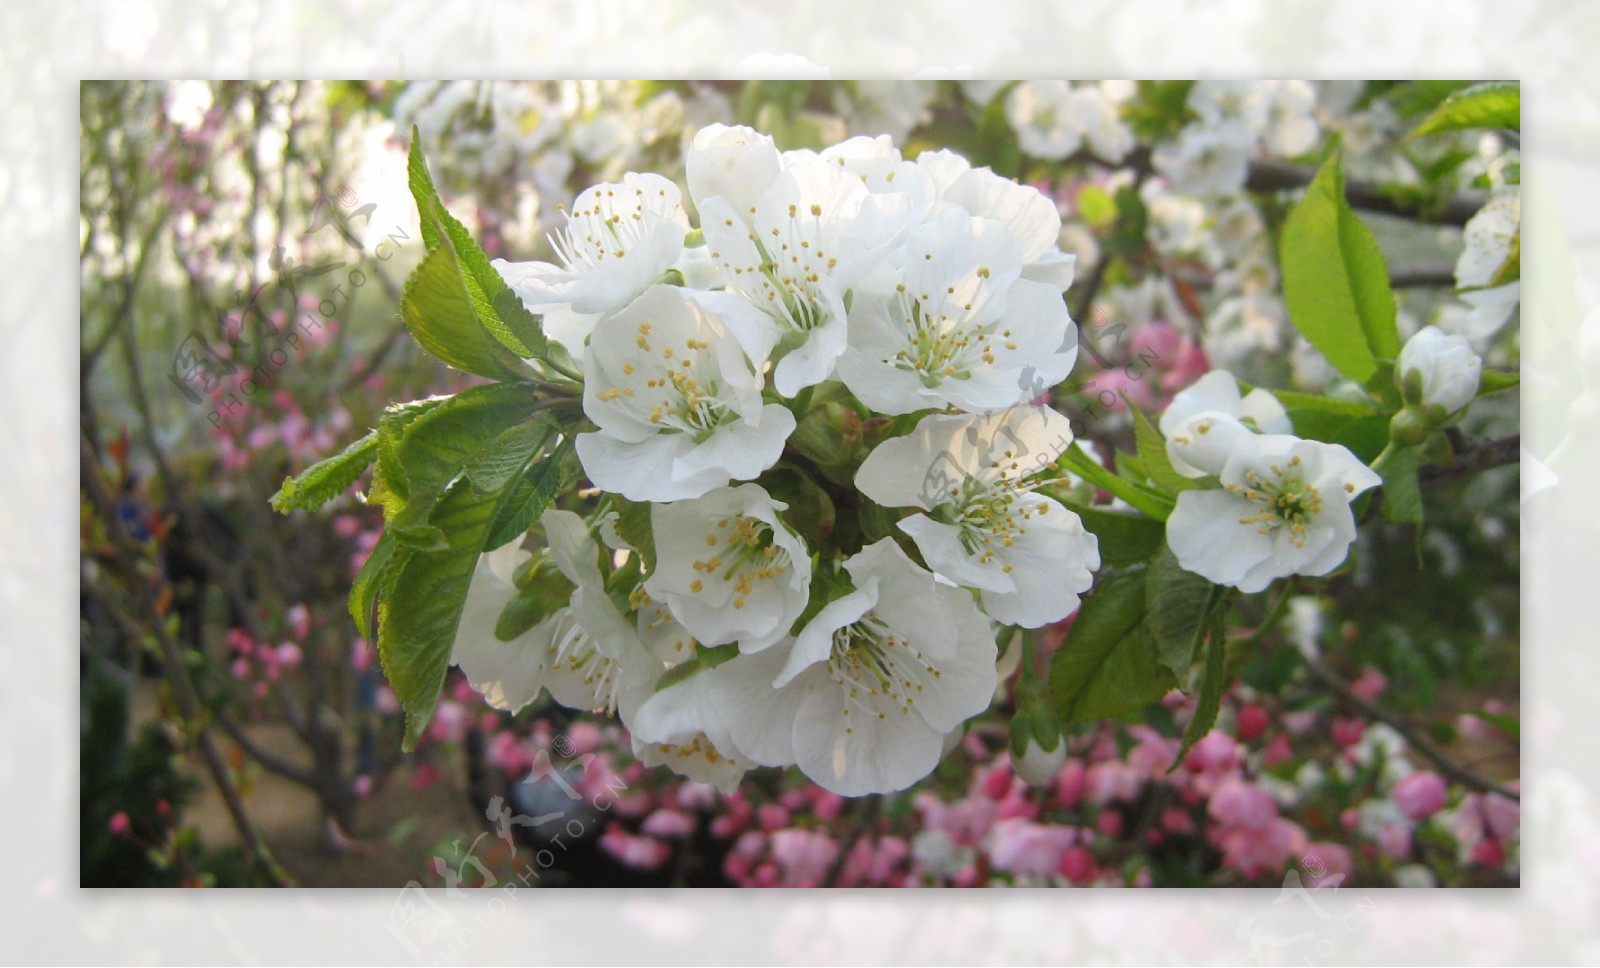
<point x="1038" y="750"/>
<point x="1438" y="370"/>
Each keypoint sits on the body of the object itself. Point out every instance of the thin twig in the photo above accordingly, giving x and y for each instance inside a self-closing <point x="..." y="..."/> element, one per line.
<point x="1266" y="176"/>
<point x="1417" y="741"/>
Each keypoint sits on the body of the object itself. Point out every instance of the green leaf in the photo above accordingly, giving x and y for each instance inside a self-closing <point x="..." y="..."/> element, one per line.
<point x="419" y="613"/>
<point x="1364" y="436"/>
<point x="1417" y="97"/>
<point x="1335" y="281"/>
<point x="1125" y="539"/>
<point x="1322" y="404"/>
<point x="1506" y="724"/>
<point x="1493" y="381"/>
<point x="498" y="460"/>
<point x="376" y="573"/>
<point x="1213" y="682"/>
<point x="1153" y="456"/>
<point x="439" y="309"/>
<point x="499" y="309"/>
<point x="1177" y="603"/>
<point x="440" y="444"/>
<point x="327" y="478"/>
<point x="1152" y="502"/>
<point x="1108" y="665"/>
<point x="633" y="524"/>
<point x="526" y="499"/>
<point x="1492" y="104"/>
<point x="1402" y="494"/>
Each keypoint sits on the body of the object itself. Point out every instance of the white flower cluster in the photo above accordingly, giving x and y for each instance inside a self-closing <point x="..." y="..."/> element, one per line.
<point x="926" y="296"/>
<point x="1283" y="504"/>
<point x="1233" y="120"/>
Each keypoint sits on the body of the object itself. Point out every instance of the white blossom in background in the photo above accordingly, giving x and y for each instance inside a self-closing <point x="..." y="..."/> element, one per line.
<point x="728" y="568"/>
<point x="1283" y="509"/>
<point x="508" y="673"/>
<point x="735" y="163"/>
<point x="948" y="321"/>
<point x="1045" y="116"/>
<point x="1206" y="159"/>
<point x="1291" y="125"/>
<point x="985" y="526"/>
<point x="677" y="401"/>
<point x="1446" y="368"/>
<point x="1489" y="238"/>
<point x="867" y="692"/>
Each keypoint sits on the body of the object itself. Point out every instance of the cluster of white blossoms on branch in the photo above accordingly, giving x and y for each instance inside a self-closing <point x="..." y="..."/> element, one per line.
<point x="811" y="414"/>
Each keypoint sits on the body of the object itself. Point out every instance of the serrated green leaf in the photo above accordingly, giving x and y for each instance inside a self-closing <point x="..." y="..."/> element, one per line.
<point x="526" y="499"/>
<point x="1335" y="280"/>
<point x="1125" y="539"/>
<point x="439" y="444"/>
<point x="1364" y="436"/>
<point x="1402" y="494"/>
<point x="498" y="460"/>
<point x="327" y="478"/>
<point x="1108" y="665"/>
<point x="418" y="616"/>
<point x="1213" y="682"/>
<point x="439" y="310"/>
<point x="386" y="557"/>
<point x="1492" y="104"/>
<point x="1177" y="603"/>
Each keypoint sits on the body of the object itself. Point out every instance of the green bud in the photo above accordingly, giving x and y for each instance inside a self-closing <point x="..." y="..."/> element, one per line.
<point x="1410" y="427"/>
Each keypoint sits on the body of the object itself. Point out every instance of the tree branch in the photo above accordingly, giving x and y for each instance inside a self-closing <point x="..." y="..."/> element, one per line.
<point x="1424" y="747"/>
<point x="1267" y="176"/>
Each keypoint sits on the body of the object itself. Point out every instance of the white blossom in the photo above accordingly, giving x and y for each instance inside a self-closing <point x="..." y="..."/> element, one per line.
<point x="728" y="568"/>
<point x="681" y="726"/>
<point x="1283" y="509"/>
<point x="863" y="698"/>
<point x="677" y="401"/>
<point x="1203" y="422"/>
<point x="947" y="321"/>
<point x="1447" y="371"/>
<point x="986" y="527"/>
<point x="508" y="673"/>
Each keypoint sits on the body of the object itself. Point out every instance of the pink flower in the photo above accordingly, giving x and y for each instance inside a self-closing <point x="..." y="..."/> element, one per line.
<point x="771" y="817"/>
<point x="1250" y="723"/>
<point x="450" y="722"/>
<point x="1109" y="824"/>
<point x="299" y="621"/>
<point x="289" y="655"/>
<point x="1347" y="731"/>
<point x="1254" y="851"/>
<point x="361" y="787"/>
<point x="1238" y="803"/>
<point x="1326" y="863"/>
<point x="1070" y="783"/>
<point x="1279" y="750"/>
<point x="1156" y="343"/>
<point x="1215" y="752"/>
<point x="997" y="782"/>
<point x="1023" y="847"/>
<point x="669" y="824"/>
<point x="641" y="853"/>
<point x="1394" y="840"/>
<point x="1109" y="387"/>
<point x="1077" y="865"/>
<point x="1370" y="684"/>
<point x="806" y="856"/>
<point x="1176" y="820"/>
<point x="120" y="824"/>
<point x="828" y="805"/>
<point x="1420" y="795"/>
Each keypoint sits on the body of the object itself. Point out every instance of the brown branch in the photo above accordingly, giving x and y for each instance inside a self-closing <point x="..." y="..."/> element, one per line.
<point x="1267" y="176"/>
<point x="1473" y="456"/>
<point x="1416" y="740"/>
